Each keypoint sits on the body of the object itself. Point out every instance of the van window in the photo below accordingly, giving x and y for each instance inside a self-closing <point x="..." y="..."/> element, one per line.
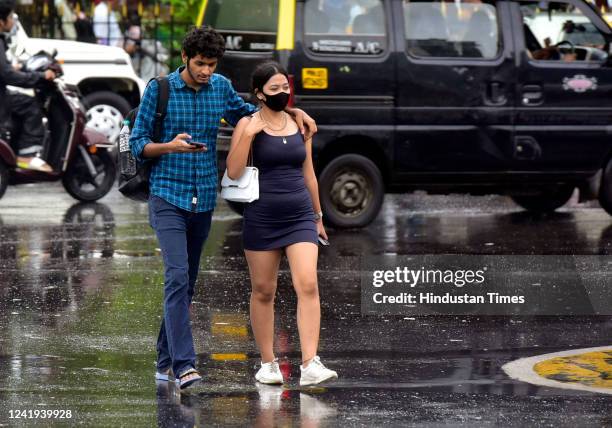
<point x="247" y="25"/>
<point x="557" y="31"/>
<point x="441" y="29"/>
<point x="355" y="27"/>
<point x="246" y="15"/>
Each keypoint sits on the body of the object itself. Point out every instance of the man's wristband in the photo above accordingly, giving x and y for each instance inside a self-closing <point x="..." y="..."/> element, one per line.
<point x="319" y="215"/>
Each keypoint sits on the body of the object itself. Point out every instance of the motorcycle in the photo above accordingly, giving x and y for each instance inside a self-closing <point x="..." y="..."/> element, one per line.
<point x="81" y="158"/>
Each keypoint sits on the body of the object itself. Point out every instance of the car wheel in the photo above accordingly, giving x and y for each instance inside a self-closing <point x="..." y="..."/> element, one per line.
<point x="545" y="201"/>
<point x="105" y="113"/>
<point x="605" y="190"/>
<point x="351" y="191"/>
<point x="4" y="177"/>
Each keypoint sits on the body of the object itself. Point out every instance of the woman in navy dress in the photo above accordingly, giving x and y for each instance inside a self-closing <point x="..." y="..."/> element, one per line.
<point x="287" y="216"/>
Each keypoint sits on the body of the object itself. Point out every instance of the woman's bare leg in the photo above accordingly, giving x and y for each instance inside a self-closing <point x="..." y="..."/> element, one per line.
<point x="303" y="263"/>
<point x="263" y="268"/>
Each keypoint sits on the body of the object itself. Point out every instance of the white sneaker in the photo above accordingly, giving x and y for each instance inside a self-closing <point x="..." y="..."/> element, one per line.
<point x="315" y="373"/>
<point x="270" y="373"/>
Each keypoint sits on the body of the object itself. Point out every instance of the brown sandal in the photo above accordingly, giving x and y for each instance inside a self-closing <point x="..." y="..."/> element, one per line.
<point x="188" y="378"/>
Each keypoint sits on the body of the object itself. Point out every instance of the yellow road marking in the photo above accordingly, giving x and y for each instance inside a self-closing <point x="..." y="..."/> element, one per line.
<point x="591" y="369"/>
<point x="230" y="330"/>
<point x="224" y="324"/>
<point x="586" y="369"/>
<point x="228" y="357"/>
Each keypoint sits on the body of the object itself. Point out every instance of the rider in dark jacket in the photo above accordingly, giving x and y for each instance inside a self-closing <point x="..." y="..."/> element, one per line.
<point x="21" y="106"/>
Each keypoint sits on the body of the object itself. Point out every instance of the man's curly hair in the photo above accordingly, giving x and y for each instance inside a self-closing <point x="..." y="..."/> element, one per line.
<point x="203" y="41"/>
<point x="6" y="8"/>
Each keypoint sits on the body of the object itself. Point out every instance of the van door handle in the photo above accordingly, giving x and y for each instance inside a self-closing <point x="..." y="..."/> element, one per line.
<point x="496" y="95"/>
<point x="526" y="148"/>
<point x="532" y="95"/>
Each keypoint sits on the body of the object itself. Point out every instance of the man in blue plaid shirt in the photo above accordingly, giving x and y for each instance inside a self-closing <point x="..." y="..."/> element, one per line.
<point x="184" y="183"/>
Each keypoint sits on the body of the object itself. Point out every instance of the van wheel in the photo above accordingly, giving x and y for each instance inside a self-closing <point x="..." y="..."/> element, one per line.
<point x="545" y="201"/>
<point x="4" y="177"/>
<point x="105" y="113"/>
<point x="351" y="191"/>
<point x="605" y="191"/>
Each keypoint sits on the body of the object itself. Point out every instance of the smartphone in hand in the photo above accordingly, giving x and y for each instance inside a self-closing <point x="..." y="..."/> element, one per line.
<point x="323" y="241"/>
<point x="195" y="143"/>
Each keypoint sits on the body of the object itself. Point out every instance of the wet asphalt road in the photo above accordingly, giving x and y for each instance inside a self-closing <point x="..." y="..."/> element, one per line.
<point x="80" y="305"/>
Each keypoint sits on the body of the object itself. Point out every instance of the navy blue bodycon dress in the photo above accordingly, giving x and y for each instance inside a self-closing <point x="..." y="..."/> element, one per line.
<point x="283" y="214"/>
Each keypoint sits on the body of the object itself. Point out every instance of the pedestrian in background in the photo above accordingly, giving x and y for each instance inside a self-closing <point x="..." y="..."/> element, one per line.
<point x="106" y="27"/>
<point x="183" y="183"/>
<point x="283" y="218"/>
<point x="75" y="24"/>
<point x="149" y="57"/>
<point x="84" y="28"/>
<point x="68" y="18"/>
<point x="24" y="108"/>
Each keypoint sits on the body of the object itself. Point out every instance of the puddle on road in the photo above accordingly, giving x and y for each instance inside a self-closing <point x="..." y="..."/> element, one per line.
<point x="80" y="306"/>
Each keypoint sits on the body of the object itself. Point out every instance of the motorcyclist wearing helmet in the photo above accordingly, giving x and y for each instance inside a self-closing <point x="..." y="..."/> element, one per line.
<point x="25" y="108"/>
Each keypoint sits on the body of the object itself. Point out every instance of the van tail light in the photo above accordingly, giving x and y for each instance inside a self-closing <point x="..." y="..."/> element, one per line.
<point x="291" y="90"/>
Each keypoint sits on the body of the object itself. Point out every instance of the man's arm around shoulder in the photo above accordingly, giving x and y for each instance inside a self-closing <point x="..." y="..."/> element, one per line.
<point x="235" y="108"/>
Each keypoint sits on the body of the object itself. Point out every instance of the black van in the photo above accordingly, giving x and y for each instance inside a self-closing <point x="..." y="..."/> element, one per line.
<point x="480" y="97"/>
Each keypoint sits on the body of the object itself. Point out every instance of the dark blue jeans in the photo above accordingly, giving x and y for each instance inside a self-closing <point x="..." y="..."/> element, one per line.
<point x="181" y="235"/>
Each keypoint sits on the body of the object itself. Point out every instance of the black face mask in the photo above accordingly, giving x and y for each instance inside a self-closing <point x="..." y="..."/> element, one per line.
<point x="277" y="102"/>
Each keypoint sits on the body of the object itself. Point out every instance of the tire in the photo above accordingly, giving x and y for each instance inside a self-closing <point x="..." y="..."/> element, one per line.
<point x="105" y="113"/>
<point x="351" y="190"/>
<point x="4" y="177"/>
<point x="546" y="200"/>
<point x="605" y="190"/>
<point x="77" y="180"/>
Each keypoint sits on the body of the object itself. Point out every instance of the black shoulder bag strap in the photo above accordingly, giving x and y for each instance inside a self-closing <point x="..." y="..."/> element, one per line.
<point x="163" y="94"/>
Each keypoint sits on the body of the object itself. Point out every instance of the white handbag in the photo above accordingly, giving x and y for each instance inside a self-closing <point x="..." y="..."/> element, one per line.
<point x="243" y="189"/>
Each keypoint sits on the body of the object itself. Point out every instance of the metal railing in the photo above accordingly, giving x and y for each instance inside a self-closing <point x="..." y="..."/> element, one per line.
<point x="160" y="32"/>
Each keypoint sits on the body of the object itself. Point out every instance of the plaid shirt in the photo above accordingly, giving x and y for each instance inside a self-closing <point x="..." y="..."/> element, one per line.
<point x="179" y="177"/>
